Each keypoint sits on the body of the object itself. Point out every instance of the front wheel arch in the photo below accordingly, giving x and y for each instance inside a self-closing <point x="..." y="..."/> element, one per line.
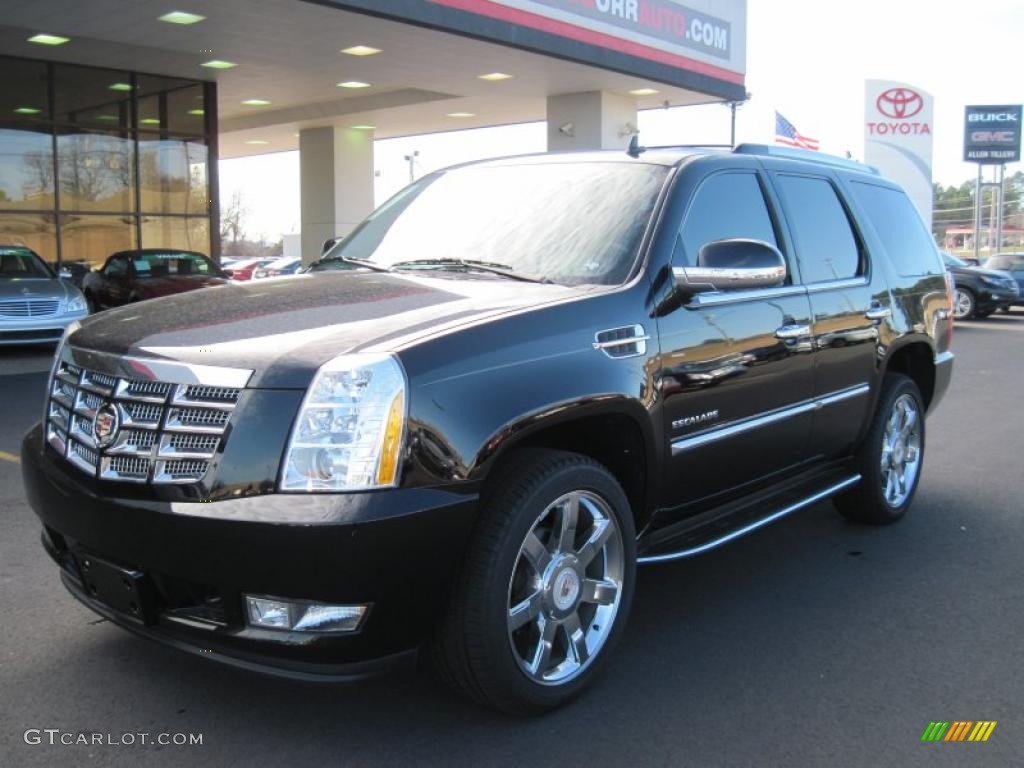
<point x="618" y="436"/>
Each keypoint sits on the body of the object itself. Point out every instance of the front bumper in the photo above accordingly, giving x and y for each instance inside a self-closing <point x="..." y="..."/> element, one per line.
<point x="37" y="330"/>
<point x="396" y="550"/>
<point x="997" y="299"/>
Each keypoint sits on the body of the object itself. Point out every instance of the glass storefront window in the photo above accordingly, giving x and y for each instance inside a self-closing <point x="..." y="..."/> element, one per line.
<point x="172" y="105"/>
<point x="172" y="175"/>
<point x="26" y="169"/>
<point x="97" y="172"/>
<point x="97" y="97"/>
<point x="190" y="233"/>
<point x="24" y="97"/>
<point x="94" y="161"/>
<point x="90" y="239"/>
<point x="33" y="230"/>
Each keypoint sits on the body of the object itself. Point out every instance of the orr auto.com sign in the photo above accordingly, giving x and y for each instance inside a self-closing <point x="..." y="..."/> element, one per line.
<point x="992" y="134"/>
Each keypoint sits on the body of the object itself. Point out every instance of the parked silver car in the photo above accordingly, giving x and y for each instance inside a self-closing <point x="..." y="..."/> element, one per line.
<point x="35" y="304"/>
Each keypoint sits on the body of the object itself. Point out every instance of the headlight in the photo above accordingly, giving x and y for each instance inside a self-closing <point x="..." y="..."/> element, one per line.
<point x="992" y="282"/>
<point x="349" y="431"/>
<point x="76" y="304"/>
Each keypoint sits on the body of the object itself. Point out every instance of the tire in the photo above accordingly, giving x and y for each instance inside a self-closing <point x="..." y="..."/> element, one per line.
<point x="964" y="304"/>
<point x="90" y="302"/>
<point x="982" y="314"/>
<point x="524" y="582"/>
<point x="890" y="458"/>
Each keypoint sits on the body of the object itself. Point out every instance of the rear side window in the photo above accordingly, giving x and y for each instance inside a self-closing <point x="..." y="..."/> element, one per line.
<point x="906" y="241"/>
<point x="726" y="205"/>
<point x="825" y="243"/>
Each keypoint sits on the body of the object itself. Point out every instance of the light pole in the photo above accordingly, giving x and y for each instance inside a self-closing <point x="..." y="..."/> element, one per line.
<point x="733" y="106"/>
<point x="411" y="160"/>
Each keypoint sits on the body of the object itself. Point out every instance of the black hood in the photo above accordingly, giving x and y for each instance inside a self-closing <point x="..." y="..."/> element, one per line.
<point x="980" y="272"/>
<point x="286" y="328"/>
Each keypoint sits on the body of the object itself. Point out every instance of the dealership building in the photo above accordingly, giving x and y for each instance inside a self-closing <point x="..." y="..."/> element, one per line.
<point x="113" y="113"/>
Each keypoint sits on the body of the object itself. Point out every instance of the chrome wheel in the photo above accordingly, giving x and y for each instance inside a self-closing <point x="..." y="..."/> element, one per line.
<point x="963" y="304"/>
<point x="565" y="589"/>
<point x="901" y="451"/>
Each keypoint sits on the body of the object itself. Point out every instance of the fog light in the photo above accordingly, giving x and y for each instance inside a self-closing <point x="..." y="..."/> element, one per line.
<point x="300" y="616"/>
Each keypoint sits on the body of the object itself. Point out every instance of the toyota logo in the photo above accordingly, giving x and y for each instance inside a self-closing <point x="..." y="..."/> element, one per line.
<point x="106" y="424"/>
<point x="899" y="103"/>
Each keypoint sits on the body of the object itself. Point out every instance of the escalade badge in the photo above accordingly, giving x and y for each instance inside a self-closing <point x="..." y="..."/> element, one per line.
<point x="106" y="425"/>
<point x="692" y="421"/>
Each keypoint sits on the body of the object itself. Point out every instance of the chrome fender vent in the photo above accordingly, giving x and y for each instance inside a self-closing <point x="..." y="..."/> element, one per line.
<point x="627" y="341"/>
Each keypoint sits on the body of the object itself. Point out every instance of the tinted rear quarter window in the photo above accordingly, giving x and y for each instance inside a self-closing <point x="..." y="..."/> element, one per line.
<point x="825" y="244"/>
<point x="907" y="244"/>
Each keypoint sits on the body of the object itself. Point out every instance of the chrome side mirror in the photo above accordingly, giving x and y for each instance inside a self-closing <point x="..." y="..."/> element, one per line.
<point x="732" y="265"/>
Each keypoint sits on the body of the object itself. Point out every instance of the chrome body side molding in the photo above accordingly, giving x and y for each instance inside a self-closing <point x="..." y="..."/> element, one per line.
<point x="738" y="427"/>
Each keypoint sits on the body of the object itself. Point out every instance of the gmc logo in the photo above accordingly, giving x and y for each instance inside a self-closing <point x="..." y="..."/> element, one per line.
<point x="994" y="137"/>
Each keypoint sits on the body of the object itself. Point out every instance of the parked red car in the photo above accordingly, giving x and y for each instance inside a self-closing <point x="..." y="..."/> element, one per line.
<point x="245" y="269"/>
<point x="130" y="276"/>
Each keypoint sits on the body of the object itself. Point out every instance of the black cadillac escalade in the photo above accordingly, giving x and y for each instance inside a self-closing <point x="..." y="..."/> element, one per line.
<point x="469" y="422"/>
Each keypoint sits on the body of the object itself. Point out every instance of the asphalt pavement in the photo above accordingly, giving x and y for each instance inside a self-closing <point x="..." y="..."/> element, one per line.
<point x="813" y="642"/>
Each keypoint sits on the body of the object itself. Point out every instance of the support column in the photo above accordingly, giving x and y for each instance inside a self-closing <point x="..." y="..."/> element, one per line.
<point x="590" y="120"/>
<point x="336" y="181"/>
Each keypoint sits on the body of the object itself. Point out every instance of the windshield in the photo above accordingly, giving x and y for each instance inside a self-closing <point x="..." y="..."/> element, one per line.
<point x="570" y="223"/>
<point x="169" y="263"/>
<point x="22" y="263"/>
<point x="1010" y="262"/>
<point x="952" y="261"/>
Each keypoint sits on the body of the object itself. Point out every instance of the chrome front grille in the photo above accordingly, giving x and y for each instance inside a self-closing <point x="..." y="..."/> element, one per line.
<point x="28" y="307"/>
<point x="167" y="432"/>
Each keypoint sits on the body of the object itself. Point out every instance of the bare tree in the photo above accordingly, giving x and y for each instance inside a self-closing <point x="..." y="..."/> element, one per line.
<point x="232" y="219"/>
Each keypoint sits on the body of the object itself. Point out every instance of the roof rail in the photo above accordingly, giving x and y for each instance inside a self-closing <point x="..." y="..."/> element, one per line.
<point x="807" y="156"/>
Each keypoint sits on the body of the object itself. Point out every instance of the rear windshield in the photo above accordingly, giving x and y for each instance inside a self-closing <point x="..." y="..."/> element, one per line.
<point x="907" y="242"/>
<point x="570" y="223"/>
<point x="172" y="263"/>
<point x="22" y="263"/>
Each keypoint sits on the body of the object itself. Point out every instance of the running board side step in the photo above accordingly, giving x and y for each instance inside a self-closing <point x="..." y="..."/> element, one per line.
<point x="831" y="490"/>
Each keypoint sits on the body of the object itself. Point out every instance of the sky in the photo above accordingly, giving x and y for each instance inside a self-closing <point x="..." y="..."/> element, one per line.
<point x="808" y="59"/>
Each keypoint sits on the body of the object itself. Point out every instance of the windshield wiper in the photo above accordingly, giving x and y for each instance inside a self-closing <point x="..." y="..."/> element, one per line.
<point x="484" y="266"/>
<point x="365" y="263"/>
<point x="325" y="262"/>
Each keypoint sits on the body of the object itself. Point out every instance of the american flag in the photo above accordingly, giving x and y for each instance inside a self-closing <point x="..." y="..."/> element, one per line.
<point x="786" y="133"/>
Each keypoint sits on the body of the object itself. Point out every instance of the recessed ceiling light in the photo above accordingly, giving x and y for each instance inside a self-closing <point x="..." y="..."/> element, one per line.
<point x="362" y="127"/>
<point x="149" y="121"/>
<point x="181" y="17"/>
<point x="643" y="92"/>
<point x="218" y="64"/>
<point x="493" y="76"/>
<point x="197" y="112"/>
<point x="360" y="50"/>
<point x="119" y="87"/>
<point x="257" y="142"/>
<point x="353" y="84"/>
<point x="462" y="114"/>
<point x="27" y="111"/>
<point x="43" y="39"/>
<point x="256" y="103"/>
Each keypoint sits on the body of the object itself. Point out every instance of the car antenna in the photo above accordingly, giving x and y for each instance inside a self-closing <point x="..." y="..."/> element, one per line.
<point x="634" y="149"/>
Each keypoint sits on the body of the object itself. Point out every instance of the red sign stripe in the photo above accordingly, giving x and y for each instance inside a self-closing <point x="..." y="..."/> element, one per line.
<point x="580" y="34"/>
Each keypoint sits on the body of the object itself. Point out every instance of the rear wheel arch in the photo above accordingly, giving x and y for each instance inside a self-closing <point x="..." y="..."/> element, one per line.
<point x="915" y="359"/>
